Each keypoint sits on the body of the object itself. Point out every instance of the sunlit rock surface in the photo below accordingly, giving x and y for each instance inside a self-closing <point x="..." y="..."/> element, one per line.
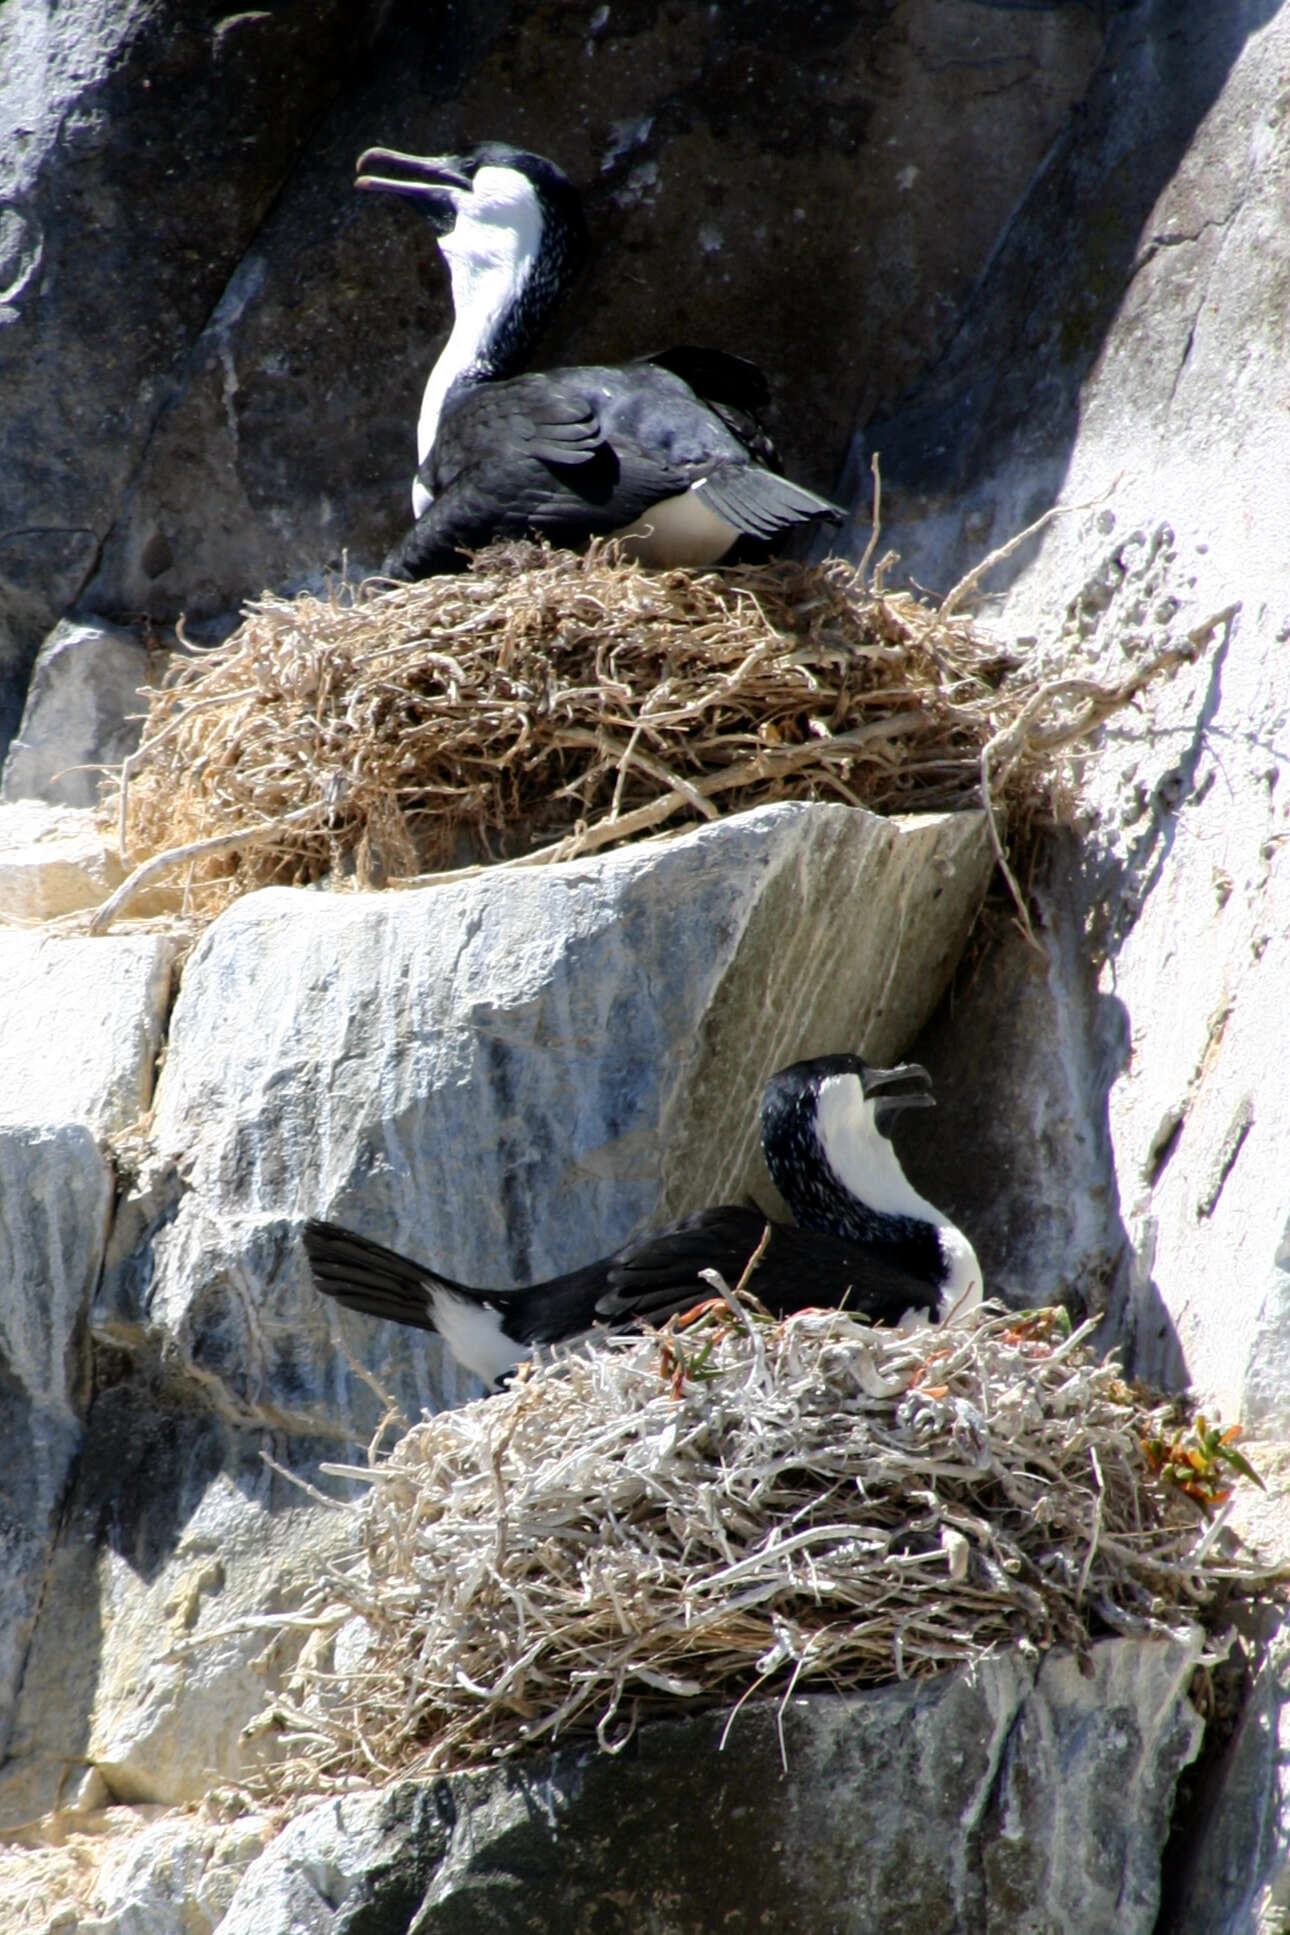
<point x="82" y="1025"/>
<point x="506" y="1075"/>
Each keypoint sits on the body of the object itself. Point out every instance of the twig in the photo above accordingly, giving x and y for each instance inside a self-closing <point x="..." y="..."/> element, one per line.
<point x="876" y="520"/>
<point x="144" y="752"/>
<point x="957" y="593"/>
<point x="163" y="863"/>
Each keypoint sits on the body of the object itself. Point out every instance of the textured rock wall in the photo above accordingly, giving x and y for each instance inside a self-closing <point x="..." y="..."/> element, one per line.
<point x="140" y="148"/>
<point x="104" y="1009"/>
<point x="1129" y="1082"/>
<point x="507" y="1076"/>
<point x="1124" y="1090"/>
<point x="1086" y="306"/>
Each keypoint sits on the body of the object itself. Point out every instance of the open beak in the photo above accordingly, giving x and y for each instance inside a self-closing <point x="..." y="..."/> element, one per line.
<point x="434" y="180"/>
<point x="914" y="1092"/>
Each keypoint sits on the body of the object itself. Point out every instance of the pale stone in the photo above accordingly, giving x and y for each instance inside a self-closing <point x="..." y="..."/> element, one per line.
<point x="60" y="859"/>
<point x="151" y="1654"/>
<point x="82" y="1028"/>
<point x="127" y="1871"/>
<point x="83" y="1022"/>
<point x="171" y="1701"/>
<point x="83" y="712"/>
<point x="53" y="860"/>
<point x="176" y="1876"/>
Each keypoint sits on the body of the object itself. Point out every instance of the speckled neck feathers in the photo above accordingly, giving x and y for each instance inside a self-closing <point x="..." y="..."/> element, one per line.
<point x="840" y="1175"/>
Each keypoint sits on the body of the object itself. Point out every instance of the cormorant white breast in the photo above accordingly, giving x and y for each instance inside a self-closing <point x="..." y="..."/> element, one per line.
<point x="865" y="1238"/>
<point x="665" y="453"/>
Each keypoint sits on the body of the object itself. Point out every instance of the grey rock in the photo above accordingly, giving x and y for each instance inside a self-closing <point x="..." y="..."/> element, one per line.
<point x="77" y="718"/>
<point x="1266" y="1388"/>
<point x="55" y="1200"/>
<point x="1119" y="357"/>
<point x="1235" y="1877"/>
<point x="139" y="150"/>
<point x="505" y="1074"/>
<point x="1009" y="1798"/>
<point x="1130" y="1120"/>
<point x="102" y="1004"/>
<point x="280" y="457"/>
<point x="1018" y="1150"/>
<point x="24" y="619"/>
<point x="1090" y="298"/>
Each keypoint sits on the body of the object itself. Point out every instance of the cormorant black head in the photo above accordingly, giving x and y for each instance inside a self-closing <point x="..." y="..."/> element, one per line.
<point x="884" y="1092"/>
<point x="825" y="1130"/>
<point x="491" y="187"/>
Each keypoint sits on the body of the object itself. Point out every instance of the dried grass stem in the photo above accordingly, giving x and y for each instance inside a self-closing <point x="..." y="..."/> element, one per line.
<point x="543" y="706"/>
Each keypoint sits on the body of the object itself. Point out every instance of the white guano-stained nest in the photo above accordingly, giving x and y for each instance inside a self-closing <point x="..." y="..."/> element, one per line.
<point x="738" y="1506"/>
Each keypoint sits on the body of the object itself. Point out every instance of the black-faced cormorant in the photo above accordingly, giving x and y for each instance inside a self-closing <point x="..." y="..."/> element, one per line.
<point x="865" y="1239"/>
<point x="665" y="453"/>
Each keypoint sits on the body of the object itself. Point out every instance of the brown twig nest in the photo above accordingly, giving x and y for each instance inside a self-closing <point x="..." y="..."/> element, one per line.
<point x="741" y="1506"/>
<point x="547" y="705"/>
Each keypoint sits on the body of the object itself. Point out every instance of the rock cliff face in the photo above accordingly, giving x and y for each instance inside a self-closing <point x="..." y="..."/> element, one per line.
<point x="508" y="1076"/>
<point x="246" y="416"/>
<point x="139" y="154"/>
<point x="1053" y="256"/>
<point x="1130" y="1084"/>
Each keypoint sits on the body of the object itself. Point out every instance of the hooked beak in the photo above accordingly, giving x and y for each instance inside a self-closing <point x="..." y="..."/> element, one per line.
<point x="434" y="180"/>
<point x="917" y="1093"/>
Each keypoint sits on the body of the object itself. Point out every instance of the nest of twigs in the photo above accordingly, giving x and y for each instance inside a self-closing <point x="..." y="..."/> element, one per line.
<point x="744" y="1505"/>
<point x="546" y="705"/>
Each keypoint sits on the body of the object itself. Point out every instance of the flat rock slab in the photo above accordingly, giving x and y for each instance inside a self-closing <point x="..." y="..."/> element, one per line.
<point x="1014" y="1799"/>
<point x="53" y="860"/>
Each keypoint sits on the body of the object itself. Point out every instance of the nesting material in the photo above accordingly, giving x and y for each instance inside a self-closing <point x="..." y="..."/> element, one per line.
<point x="734" y="1507"/>
<point x="543" y="705"/>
